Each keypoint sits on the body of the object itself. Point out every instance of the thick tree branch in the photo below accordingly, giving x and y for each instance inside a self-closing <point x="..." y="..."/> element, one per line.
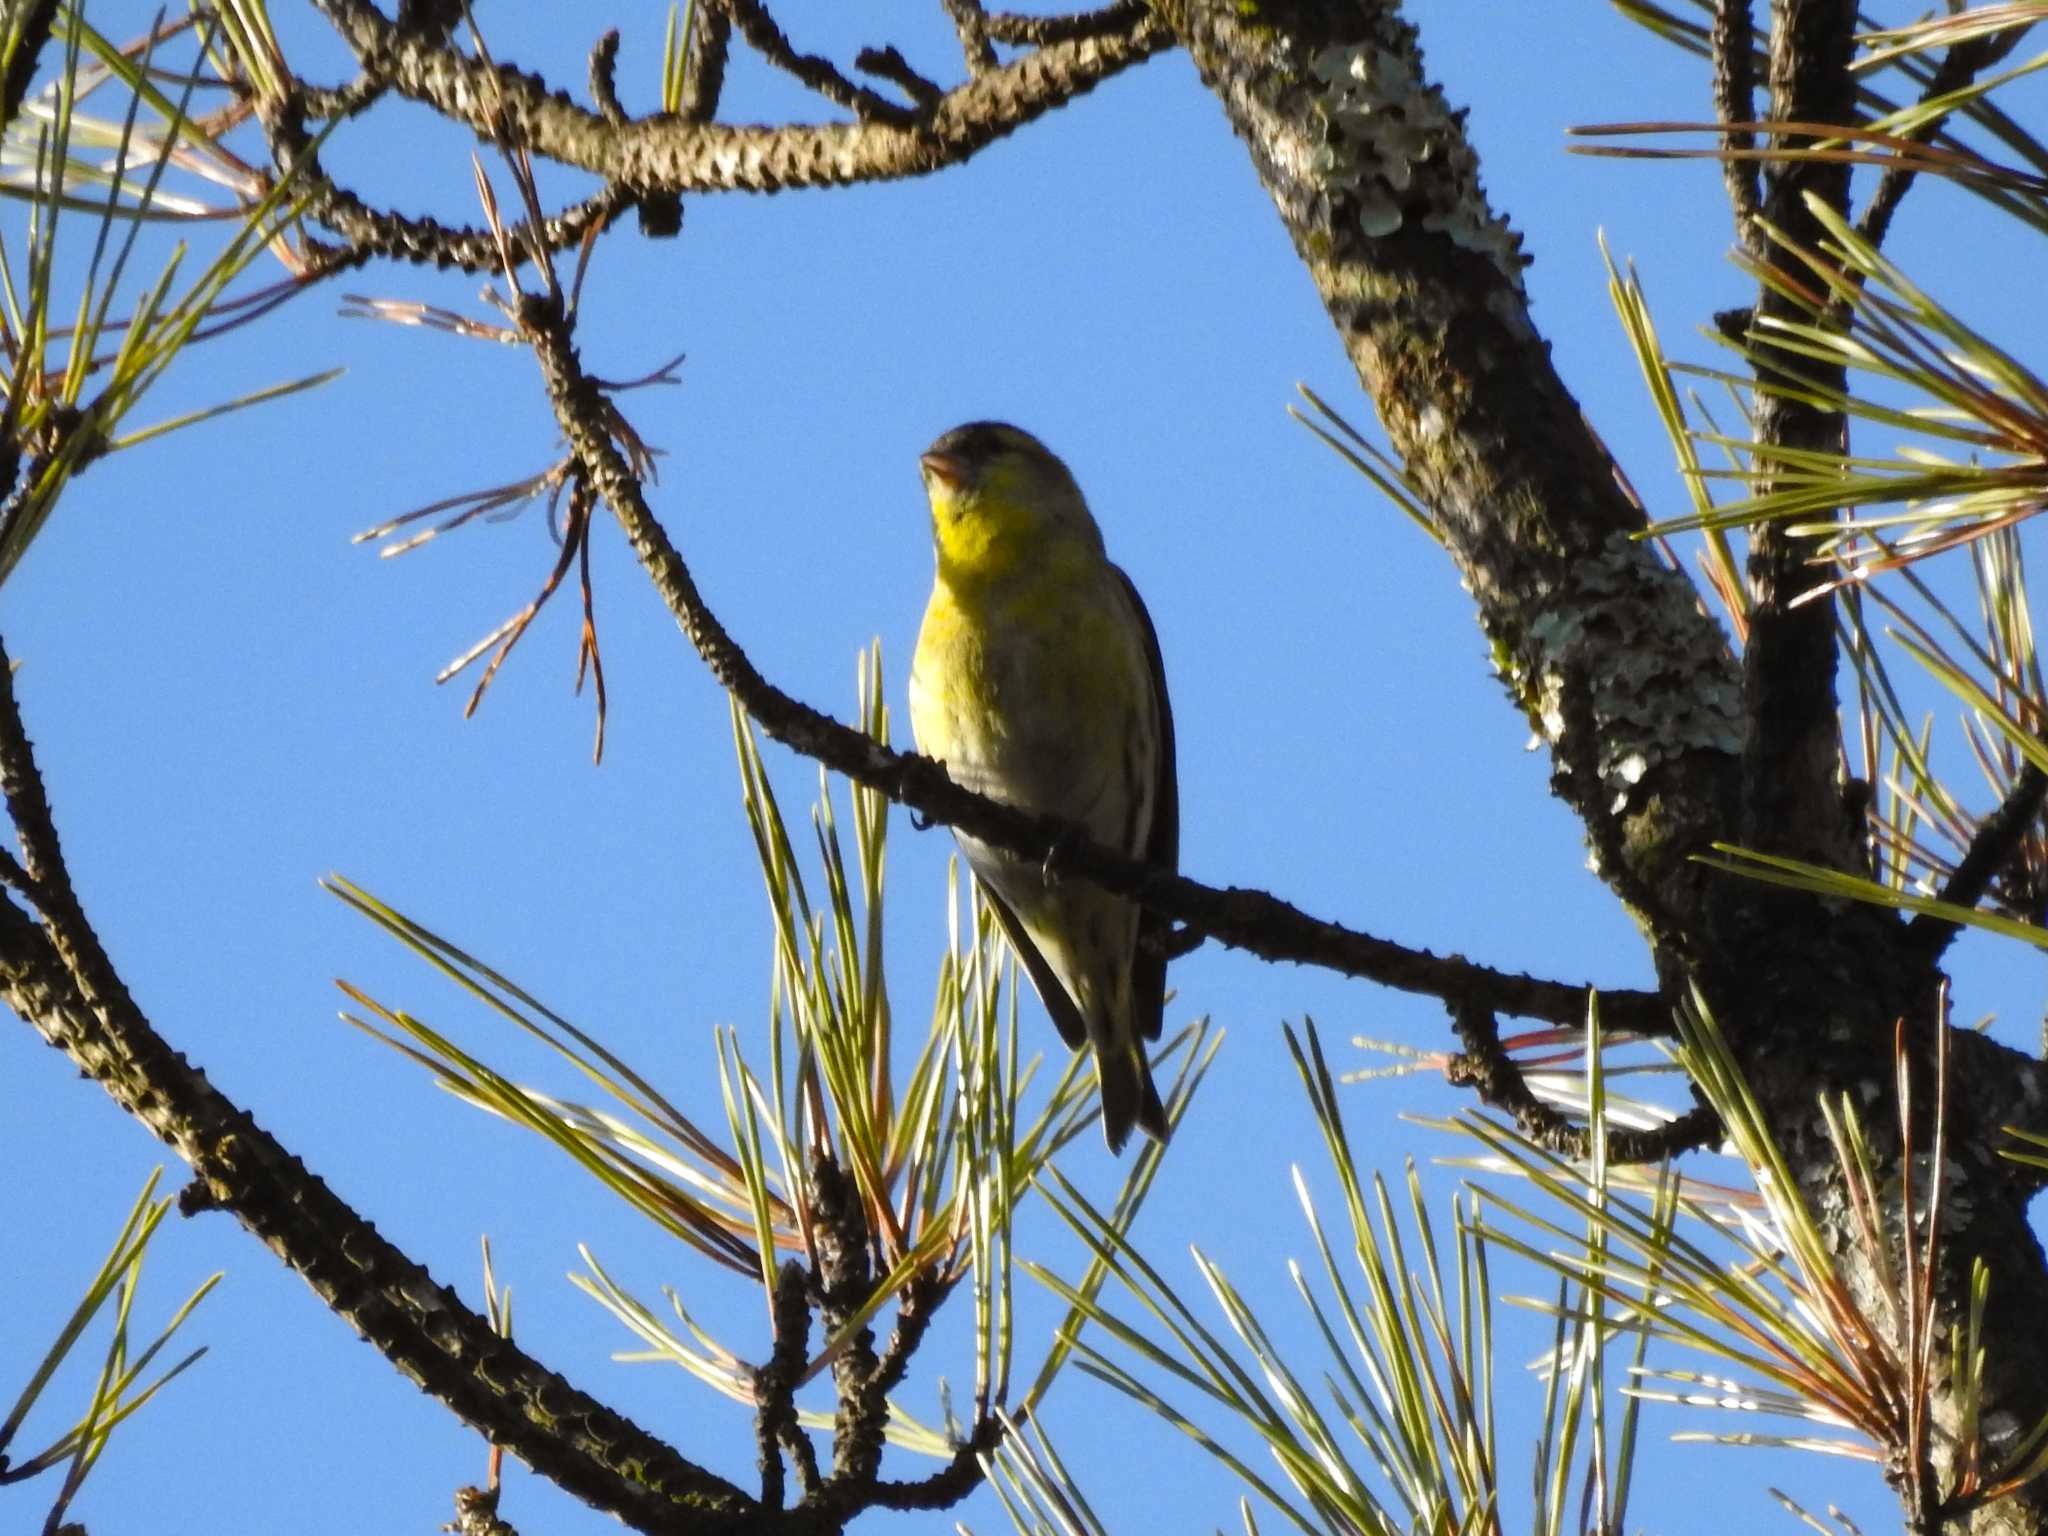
<point x="1601" y="646"/>
<point x="58" y="978"/>
<point x="1795" y="982"/>
<point x="663" y="154"/>
<point x="1656" y="741"/>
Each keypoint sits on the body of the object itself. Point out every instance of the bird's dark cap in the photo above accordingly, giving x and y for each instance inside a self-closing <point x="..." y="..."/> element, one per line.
<point x="982" y="439"/>
<point x="957" y="455"/>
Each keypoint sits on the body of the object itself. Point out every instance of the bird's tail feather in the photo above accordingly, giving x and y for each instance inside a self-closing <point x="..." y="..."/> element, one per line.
<point x="1129" y="1097"/>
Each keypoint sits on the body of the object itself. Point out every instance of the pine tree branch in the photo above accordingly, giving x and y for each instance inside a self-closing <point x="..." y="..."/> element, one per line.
<point x="28" y="25"/>
<point x="663" y="154"/>
<point x="1488" y="1069"/>
<point x="1997" y="837"/>
<point x="58" y="978"/>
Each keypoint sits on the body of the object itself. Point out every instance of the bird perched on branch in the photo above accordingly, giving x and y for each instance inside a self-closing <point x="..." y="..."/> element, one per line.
<point x="1038" y="682"/>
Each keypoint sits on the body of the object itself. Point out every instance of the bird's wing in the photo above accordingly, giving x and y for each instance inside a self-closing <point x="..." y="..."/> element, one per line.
<point x="1162" y="841"/>
<point x="1052" y="991"/>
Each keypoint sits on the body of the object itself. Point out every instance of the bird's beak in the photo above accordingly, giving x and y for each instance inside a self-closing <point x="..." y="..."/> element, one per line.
<point x="947" y="471"/>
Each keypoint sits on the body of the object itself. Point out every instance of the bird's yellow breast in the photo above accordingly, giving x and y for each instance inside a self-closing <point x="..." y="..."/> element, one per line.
<point x="1025" y="689"/>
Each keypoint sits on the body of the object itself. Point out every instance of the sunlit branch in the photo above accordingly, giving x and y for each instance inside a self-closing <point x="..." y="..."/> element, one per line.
<point x="815" y="73"/>
<point x="370" y="232"/>
<point x="505" y="104"/>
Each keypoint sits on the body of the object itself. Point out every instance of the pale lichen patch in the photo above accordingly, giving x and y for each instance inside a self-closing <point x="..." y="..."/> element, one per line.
<point x="1393" y="144"/>
<point x="1597" y="649"/>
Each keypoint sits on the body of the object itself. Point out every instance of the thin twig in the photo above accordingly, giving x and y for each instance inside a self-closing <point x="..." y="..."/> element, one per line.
<point x="888" y="64"/>
<point x="707" y="48"/>
<point x="815" y="72"/>
<point x="1997" y="836"/>
<point x="476" y="1514"/>
<point x="1498" y="1079"/>
<point x="775" y="1419"/>
<point x="970" y="21"/>
<point x="710" y="45"/>
<point x="845" y="1280"/>
<point x="604" y="85"/>
<point x="951" y="1483"/>
<point x="1958" y="67"/>
<point x="914" y="1309"/>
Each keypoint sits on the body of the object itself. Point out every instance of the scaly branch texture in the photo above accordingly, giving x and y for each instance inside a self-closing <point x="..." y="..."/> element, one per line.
<point x="669" y="155"/>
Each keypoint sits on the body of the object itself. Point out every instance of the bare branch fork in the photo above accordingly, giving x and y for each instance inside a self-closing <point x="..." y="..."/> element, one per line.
<point x="1963" y="62"/>
<point x="647" y="163"/>
<point x="1486" y="1067"/>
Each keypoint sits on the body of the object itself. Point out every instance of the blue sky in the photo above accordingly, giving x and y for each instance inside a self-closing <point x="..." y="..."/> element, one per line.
<point x="231" y="700"/>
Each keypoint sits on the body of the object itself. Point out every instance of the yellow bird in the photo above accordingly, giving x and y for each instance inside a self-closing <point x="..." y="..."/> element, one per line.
<point x="1038" y="682"/>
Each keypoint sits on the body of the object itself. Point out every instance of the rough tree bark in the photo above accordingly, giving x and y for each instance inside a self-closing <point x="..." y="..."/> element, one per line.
<point x="1660" y="740"/>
